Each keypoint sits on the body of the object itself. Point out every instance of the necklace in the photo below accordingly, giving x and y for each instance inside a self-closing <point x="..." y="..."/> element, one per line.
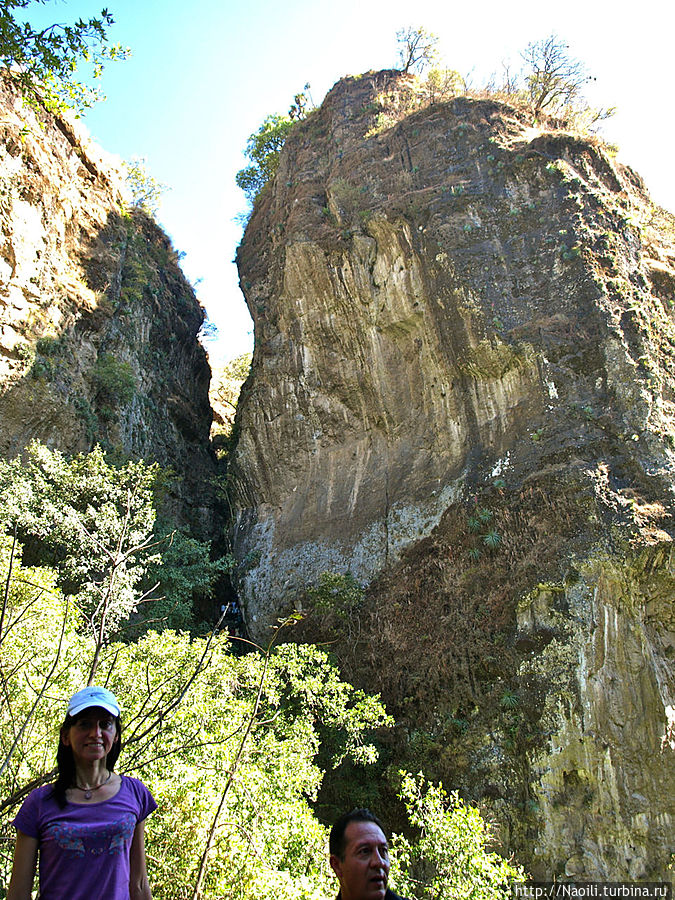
<point x="88" y="791"/>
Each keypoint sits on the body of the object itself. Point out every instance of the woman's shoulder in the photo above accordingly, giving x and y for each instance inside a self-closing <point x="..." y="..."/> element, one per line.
<point x="143" y="796"/>
<point x="133" y="784"/>
<point x="33" y="808"/>
<point x="39" y="794"/>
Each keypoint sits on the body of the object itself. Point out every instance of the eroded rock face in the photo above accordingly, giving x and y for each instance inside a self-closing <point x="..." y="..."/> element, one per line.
<point x="423" y="300"/>
<point x="98" y="326"/>
<point x="604" y="784"/>
<point x="462" y="392"/>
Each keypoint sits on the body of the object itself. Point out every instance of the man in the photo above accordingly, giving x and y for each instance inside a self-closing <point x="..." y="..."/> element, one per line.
<point x="359" y="856"/>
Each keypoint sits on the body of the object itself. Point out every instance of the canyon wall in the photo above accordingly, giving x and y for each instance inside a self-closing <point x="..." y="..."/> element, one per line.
<point x="462" y="396"/>
<point x="98" y="326"/>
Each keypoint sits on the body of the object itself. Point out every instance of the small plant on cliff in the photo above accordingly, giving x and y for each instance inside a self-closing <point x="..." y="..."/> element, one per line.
<point x="113" y="380"/>
<point x="492" y="539"/>
<point x="145" y="190"/>
<point x="43" y="61"/>
<point x="335" y="593"/>
<point x="476" y="523"/>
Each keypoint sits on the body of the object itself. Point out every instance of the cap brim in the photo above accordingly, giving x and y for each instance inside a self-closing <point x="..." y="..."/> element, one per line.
<point x="98" y="704"/>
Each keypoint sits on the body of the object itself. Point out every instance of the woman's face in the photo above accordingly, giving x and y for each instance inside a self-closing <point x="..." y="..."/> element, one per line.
<point x="91" y="735"/>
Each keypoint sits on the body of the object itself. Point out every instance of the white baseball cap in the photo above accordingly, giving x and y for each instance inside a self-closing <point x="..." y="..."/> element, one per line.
<point x="93" y="696"/>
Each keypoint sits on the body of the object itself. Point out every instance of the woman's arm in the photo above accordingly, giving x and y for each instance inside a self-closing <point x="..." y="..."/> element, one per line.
<point x="23" y="868"/>
<point x="139" y="887"/>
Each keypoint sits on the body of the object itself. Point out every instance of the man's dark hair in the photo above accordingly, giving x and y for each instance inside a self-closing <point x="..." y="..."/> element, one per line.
<point x="336" y="842"/>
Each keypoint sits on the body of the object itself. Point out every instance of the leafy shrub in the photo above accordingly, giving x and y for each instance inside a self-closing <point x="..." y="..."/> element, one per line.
<point x="113" y="380"/>
<point x="339" y="594"/>
<point x="449" y="859"/>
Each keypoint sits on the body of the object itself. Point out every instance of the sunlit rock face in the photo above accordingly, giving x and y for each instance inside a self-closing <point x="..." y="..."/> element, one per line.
<point x="426" y="299"/>
<point x="98" y="326"/>
<point x="456" y="312"/>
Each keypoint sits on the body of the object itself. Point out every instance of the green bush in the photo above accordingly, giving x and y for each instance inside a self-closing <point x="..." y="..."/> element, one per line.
<point x="338" y="594"/>
<point x="113" y="380"/>
<point x="449" y="859"/>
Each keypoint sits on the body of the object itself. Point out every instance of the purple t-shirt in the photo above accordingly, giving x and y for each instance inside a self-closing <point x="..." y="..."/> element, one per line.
<point x="84" y="848"/>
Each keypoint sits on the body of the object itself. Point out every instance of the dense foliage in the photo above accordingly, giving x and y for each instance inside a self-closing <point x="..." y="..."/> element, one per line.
<point x="234" y="747"/>
<point x="97" y="524"/>
<point x="207" y="731"/>
<point x="263" y="148"/>
<point x="450" y="858"/>
<point x="44" y="61"/>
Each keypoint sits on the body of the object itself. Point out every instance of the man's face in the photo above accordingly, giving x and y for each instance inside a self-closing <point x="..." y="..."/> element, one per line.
<point x="364" y="871"/>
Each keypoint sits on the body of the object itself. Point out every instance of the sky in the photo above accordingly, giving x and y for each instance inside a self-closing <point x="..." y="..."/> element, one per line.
<point x="204" y="74"/>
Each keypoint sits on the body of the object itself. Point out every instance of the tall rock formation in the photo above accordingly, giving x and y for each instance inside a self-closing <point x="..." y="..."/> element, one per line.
<point x="98" y="326"/>
<point x="463" y="393"/>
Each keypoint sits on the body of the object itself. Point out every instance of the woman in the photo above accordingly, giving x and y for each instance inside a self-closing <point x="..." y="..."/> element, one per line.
<point x="89" y="825"/>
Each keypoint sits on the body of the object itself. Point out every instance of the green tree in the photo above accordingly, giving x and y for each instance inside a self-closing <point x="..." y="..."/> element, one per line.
<point x="449" y="859"/>
<point x="417" y="48"/>
<point x="264" y="146"/>
<point x="92" y="520"/>
<point x="263" y="149"/>
<point x="44" y="61"/>
<point x="182" y="572"/>
<point x="38" y="631"/>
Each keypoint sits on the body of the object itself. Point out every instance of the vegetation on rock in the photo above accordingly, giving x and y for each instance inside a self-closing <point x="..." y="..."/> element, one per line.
<point x="264" y="146"/>
<point x="145" y="190"/>
<point x="550" y="83"/>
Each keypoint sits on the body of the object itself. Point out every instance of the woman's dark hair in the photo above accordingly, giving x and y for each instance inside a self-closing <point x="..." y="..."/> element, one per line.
<point x="65" y="761"/>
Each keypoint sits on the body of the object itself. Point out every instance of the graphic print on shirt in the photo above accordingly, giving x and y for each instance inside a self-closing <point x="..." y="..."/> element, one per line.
<point x="83" y="839"/>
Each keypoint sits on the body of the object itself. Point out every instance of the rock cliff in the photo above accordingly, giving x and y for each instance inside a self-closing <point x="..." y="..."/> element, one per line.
<point x="462" y="393"/>
<point x="98" y="326"/>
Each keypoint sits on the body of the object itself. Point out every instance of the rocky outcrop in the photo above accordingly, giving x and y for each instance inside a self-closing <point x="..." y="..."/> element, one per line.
<point x="98" y="326"/>
<point x="462" y="393"/>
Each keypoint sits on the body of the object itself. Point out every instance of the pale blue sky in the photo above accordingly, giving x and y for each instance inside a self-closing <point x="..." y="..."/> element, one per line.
<point x="205" y="73"/>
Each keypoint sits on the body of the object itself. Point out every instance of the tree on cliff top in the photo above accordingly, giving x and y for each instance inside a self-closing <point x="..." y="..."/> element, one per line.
<point x="417" y="48"/>
<point x="554" y="84"/>
<point x="264" y="146"/>
<point x="44" y="61"/>
<point x="553" y="77"/>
